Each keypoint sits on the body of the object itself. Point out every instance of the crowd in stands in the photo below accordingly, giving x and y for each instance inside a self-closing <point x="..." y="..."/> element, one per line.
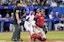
<point x="56" y="20"/>
<point x="53" y="3"/>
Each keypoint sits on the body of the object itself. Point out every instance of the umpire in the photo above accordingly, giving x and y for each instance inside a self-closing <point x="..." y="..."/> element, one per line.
<point x="17" y="15"/>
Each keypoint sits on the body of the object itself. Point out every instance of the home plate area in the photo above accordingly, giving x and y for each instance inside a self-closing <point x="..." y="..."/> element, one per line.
<point x="33" y="41"/>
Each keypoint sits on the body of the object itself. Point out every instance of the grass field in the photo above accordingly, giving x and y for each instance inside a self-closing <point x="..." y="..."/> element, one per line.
<point x="24" y="35"/>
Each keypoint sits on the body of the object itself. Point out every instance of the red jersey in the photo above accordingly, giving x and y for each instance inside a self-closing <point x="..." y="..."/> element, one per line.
<point x="40" y="20"/>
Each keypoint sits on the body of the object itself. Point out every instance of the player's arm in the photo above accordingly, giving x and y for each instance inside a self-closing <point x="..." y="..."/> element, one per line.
<point x="36" y="16"/>
<point x="23" y="15"/>
<point x="17" y="17"/>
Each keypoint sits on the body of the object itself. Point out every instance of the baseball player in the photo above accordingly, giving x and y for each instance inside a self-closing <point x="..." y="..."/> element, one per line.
<point x="40" y="20"/>
<point x="38" y="33"/>
<point x="35" y="31"/>
<point x="40" y="23"/>
<point x="28" y="22"/>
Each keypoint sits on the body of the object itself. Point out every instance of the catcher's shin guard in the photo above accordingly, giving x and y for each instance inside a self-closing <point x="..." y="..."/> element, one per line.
<point x="44" y="39"/>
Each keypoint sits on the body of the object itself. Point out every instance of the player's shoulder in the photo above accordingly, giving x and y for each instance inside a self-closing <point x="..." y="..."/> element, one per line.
<point x="16" y="7"/>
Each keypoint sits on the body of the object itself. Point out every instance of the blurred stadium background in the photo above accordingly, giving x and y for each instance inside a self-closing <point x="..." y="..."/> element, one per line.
<point x="54" y="16"/>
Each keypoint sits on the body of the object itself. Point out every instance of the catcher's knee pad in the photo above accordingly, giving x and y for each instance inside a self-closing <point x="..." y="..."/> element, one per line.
<point x="44" y="39"/>
<point x="38" y="35"/>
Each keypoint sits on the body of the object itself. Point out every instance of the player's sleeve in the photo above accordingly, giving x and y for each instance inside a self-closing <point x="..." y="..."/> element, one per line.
<point x="36" y="16"/>
<point x="27" y="18"/>
<point x="16" y="10"/>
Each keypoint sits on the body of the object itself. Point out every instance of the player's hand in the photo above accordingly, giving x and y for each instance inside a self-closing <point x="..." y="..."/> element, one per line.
<point x="24" y="19"/>
<point x="36" y="14"/>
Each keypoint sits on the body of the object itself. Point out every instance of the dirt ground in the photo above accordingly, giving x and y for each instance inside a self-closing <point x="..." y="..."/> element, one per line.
<point x="27" y="40"/>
